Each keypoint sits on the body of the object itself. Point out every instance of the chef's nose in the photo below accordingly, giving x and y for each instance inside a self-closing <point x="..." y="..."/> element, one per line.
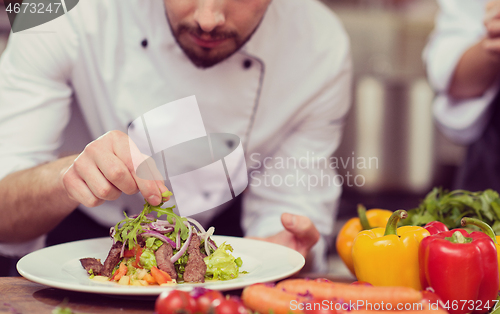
<point x="209" y="14"/>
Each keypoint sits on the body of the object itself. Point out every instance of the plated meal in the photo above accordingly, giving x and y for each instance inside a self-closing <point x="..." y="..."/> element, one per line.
<point x="149" y="251"/>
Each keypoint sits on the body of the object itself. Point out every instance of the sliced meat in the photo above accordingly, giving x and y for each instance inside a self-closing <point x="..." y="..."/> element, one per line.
<point x="92" y="264"/>
<point x="112" y="260"/>
<point x="163" y="256"/>
<point x="195" y="267"/>
<point x="141" y="241"/>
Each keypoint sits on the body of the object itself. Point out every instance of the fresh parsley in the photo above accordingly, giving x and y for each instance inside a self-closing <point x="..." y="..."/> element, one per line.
<point x="450" y="207"/>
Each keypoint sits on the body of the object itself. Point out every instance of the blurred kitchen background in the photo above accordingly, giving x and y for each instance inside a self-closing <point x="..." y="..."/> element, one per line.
<point x="391" y="114"/>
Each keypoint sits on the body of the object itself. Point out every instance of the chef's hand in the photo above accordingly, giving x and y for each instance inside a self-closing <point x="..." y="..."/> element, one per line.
<point x="300" y="234"/>
<point x="105" y="169"/>
<point x="492" y="24"/>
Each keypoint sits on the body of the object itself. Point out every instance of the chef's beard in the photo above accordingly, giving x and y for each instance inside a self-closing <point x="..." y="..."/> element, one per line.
<point x="208" y="57"/>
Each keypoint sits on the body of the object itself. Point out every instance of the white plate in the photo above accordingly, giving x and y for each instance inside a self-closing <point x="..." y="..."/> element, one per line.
<point x="59" y="266"/>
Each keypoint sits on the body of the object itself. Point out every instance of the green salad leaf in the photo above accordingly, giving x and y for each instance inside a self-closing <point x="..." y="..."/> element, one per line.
<point x="221" y="264"/>
<point x="450" y="207"/>
<point x="148" y="259"/>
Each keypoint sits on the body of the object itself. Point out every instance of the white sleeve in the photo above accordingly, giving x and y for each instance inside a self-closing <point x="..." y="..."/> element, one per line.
<point x="34" y="103"/>
<point x="459" y="25"/>
<point x="308" y="190"/>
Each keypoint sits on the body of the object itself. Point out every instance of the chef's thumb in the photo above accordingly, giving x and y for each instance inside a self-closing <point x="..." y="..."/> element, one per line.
<point x="302" y="228"/>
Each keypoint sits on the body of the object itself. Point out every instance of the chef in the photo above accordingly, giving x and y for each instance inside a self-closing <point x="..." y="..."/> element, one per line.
<point x="275" y="73"/>
<point x="463" y="65"/>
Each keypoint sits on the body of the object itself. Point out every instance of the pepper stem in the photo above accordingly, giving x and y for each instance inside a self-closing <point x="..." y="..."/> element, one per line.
<point x="481" y="224"/>
<point x="458" y="237"/>
<point x="392" y="224"/>
<point x="365" y="224"/>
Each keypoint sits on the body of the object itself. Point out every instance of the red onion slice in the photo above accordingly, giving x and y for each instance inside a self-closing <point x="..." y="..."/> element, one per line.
<point x="184" y="247"/>
<point x="160" y="227"/>
<point x="212" y="244"/>
<point x="112" y="233"/>
<point x="123" y="249"/>
<point x="165" y="223"/>
<point x="158" y="235"/>
<point x="178" y="240"/>
<point x="197" y="224"/>
<point x="210" y="231"/>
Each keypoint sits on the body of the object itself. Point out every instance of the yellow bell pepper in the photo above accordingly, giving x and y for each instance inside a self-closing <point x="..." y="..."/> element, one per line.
<point x="489" y="231"/>
<point x="389" y="256"/>
<point x="366" y="220"/>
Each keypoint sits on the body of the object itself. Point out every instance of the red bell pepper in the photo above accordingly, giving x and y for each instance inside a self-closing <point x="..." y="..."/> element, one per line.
<point x="435" y="227"/>
<point x="462" y="269"/>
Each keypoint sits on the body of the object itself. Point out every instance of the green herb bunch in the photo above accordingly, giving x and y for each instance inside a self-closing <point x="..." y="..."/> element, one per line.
<point x="450" y="207"/>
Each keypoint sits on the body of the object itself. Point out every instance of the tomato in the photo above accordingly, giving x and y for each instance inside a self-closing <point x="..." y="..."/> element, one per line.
<point x="229" y="306"/>
<point x="175" y="302"/>
<point x="129" y="253"/>
<point x="204" y="301"/>
<point x="138" y="253"/>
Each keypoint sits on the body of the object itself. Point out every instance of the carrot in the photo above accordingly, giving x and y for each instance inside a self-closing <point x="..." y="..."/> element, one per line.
<point x="263" y="298"/>
<point x="122" y="270"/>
<point x="160" y="276"/>
<point x="149" y="279"/>
<point x="351" y="293"/>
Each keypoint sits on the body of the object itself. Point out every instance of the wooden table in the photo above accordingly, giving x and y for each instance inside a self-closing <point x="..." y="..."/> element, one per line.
<point x="18" y="295"/>
<point x="21" y="296"/>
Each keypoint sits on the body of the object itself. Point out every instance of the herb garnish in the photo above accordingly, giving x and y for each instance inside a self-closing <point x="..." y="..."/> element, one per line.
<point x="132" y="227"/>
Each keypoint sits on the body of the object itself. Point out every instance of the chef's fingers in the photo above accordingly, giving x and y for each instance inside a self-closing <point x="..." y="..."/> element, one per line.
<point x="150" y="184"/>
<point x="303" y="229"/>
<point x="492" y="28"/>
<point x="78" y="190"/>
<point x="86" y="167"/>
<point x="117" y="173"/>
<point x="492" y="45"/>
<point x="492" y="10"/>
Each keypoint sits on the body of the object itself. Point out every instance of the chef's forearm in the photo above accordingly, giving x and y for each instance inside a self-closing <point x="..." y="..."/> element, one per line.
<point x="34" y="201"/>
<point x="476" y="71"/>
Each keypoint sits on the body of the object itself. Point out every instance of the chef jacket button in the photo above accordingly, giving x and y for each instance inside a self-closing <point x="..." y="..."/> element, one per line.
<point x="247" y="64"/>
<point x="206" y="195"/>
<point x="131" y="125"/>
<point x="144" y="43"/>
<point x="230" y="144"/>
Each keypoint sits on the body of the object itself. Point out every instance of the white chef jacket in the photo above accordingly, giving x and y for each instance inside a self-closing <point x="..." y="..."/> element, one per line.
<point x="459" y="25"/>
<point x="285" y="93"/>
